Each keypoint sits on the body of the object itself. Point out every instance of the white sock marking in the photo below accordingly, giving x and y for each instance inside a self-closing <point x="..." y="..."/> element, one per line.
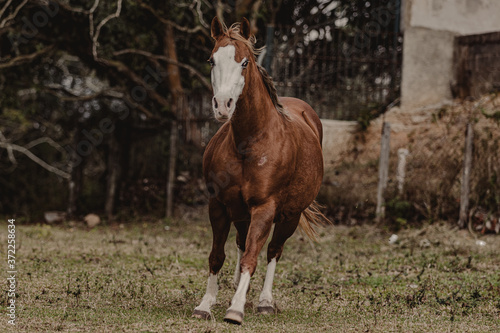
<point x="237" y="273"/>
<point x="266" y="296"/>
<point x="210" y="295"/>
<point x="240" y="297"/>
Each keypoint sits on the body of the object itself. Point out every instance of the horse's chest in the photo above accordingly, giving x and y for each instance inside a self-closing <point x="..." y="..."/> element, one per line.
<point x="239" y="183"/>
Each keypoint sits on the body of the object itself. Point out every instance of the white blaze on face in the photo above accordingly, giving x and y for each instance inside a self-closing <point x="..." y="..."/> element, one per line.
<point x="227" y="81"/>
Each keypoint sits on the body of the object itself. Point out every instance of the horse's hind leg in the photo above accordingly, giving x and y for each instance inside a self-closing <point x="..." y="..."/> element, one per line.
<point x="282" y="231"/>
<point x="221" y="225"/>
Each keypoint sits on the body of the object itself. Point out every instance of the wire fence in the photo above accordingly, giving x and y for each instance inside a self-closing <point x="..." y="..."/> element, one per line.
<point x="342" y="74"/>
<point x="431" y="188"/>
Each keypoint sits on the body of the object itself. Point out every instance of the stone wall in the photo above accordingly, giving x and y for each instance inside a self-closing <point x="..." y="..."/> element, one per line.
<point x="430" y="27"/>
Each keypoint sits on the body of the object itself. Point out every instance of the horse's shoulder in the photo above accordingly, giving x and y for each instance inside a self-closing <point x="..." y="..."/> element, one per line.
<point x="216" y="140"/>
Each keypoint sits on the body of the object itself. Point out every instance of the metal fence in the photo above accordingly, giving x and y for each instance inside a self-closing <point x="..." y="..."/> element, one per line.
<point x="346" y="71"/>
<point x="343" y="72"/>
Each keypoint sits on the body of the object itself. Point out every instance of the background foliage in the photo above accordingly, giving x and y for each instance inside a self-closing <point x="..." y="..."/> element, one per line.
<point x="98" y="89"/>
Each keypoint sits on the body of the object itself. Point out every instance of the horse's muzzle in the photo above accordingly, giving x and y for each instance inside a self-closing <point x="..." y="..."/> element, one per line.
<point x="223" y="107"/>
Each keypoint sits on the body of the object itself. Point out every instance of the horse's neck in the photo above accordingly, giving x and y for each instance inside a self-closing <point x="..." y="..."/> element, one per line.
<point x="253" y="119"/>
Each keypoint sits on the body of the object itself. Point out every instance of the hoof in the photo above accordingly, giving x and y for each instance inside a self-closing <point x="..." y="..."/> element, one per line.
<point x="201" y="314"/>
<point x="233" y="317"/>
<point x="266" y="310"/>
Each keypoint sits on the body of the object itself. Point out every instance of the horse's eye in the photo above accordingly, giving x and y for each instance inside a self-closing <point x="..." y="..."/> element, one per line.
<point x="211" y="62"/>
<point x="244" y="64"/>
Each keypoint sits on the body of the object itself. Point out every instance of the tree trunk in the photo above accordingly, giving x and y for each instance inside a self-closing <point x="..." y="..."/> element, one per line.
<point x="242" y="8"/>
<point x="270" y="27"/>
<point x="74" y="187"/>
<point x="254" y="13"/>
<point x="178" y="108"/>
<point x="171" y="169"/>
<point x="114" y="171"/>
<point x="125" y="135"/>
<point x="75" y="180"/>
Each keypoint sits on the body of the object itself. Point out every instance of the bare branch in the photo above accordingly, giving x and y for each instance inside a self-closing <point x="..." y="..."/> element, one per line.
<point x="13" y="15"/>
<point x="101" y="24"/>
<point x="12" y="158"/>
<point x="91" y="19"/>
<point x="208" y="4"/>
<point x="147" y="54"/>
<point x="24" y="58"/>
<point x="72" y="9"/>
<point x="140" y="107"/>
<point x="53" y="88"/>
<point x="199" y="13"/>
<point x="104" y="93"/>
<point x="35" y="159"/>
<point x="172" y="23"/>
<point x="5" y="7"/>
<point x="121" y="67"/>
<point x="45" y="139"/>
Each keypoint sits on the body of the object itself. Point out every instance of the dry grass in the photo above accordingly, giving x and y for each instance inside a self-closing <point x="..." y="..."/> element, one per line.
<point x="435" y="140"/>
<point x="145" y="278"/>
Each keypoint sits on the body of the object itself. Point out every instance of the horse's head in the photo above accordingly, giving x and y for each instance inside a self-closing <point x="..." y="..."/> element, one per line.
<point x="231" y="59"/>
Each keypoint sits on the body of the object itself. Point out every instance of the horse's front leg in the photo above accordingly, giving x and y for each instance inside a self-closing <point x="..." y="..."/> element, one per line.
<point x="282" y="231"/>
<point x="221" y="224"/>
<point x="237" y="272"/>
<point x="241" y="237"/>
<point x="260" y="225"/>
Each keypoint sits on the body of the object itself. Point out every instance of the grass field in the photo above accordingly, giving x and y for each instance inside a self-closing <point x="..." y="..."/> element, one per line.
<point x="149" y="276"/>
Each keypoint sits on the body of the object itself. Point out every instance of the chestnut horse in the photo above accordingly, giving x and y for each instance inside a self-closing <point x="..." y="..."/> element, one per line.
<point x="263" y="166"/>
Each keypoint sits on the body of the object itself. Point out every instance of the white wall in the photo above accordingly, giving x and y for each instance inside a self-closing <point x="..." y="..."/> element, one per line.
<point x="466" y="17"/>
<point x="430" y="27"/>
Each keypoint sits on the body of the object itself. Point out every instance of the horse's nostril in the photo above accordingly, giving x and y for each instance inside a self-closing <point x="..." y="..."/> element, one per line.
<point x="216" y="105"/>
<point x="229" y="103"/>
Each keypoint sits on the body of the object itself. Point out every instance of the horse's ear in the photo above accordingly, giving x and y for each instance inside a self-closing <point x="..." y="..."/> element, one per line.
<point x="245" y="28"/>
<point x="216" y="28"/>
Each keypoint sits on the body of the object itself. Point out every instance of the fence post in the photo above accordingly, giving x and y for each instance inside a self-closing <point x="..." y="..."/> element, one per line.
<point x="465" y="188"/>
<point x="171" y="169"/>
<point x="383" y="170"/>
<point x="401" y="172"/>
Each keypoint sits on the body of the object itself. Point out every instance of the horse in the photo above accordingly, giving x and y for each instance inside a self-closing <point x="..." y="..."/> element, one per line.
<point x="264" y="166"/>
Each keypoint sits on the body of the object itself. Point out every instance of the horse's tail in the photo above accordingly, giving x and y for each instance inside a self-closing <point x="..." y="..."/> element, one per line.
<point x="311" y="217"/>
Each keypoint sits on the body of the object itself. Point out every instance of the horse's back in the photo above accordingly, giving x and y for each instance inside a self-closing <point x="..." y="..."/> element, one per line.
<point x="306" y="133"/>
<point x="301" y="109"/>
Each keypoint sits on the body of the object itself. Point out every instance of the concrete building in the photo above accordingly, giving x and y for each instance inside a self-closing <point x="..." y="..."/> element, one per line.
<point x="430" y="27"/>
